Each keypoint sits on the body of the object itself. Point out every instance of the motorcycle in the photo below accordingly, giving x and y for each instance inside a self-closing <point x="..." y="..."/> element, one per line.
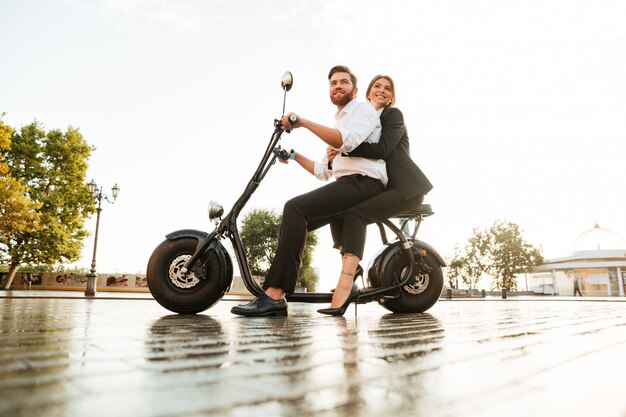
<point x="191" y="270"/>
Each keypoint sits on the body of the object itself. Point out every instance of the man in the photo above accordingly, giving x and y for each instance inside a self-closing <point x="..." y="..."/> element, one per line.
<point x="577" y="288"/>
<point x="358" y="179"/>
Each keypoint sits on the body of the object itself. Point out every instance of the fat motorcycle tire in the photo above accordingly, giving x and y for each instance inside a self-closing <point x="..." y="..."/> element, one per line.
<point x="172" y="291"/>
<point x="410" y="301"/>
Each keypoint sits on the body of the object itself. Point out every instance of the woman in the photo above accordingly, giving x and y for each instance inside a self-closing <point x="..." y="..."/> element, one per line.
<point x="405" y="190"/>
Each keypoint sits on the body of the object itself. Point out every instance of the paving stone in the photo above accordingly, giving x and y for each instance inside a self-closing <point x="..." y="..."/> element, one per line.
<point x="127" y="356"/>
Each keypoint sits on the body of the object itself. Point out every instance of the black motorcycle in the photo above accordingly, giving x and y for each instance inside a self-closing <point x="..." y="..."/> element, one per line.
<point x="191" y="270"/>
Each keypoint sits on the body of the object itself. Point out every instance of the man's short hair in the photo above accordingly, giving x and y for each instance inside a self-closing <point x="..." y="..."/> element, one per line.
<point x="342" y="68"/>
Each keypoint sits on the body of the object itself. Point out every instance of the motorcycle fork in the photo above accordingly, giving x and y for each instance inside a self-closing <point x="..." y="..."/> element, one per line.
<point x="200" y="249"/>
<point x="242" y="261"/>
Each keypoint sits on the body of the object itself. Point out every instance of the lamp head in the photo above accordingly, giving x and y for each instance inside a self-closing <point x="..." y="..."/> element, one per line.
<point x="92" y="188"/>
<point x="115" y="191"/>
<point x="215" y="210"/>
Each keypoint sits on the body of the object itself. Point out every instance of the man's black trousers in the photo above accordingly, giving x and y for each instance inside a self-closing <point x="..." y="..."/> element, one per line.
<point x="310" y="211"/>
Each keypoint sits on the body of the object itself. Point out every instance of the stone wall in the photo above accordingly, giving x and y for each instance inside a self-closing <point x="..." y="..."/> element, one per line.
<point x="77" y="281"/>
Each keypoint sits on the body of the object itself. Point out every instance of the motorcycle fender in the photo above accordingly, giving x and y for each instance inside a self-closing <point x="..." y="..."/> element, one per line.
<point x="226" y="264"/>
<point x="389" y="252"/>
<point x="198" y="234"/>
<point x="430" y="249"/>
<point x="389" y="256"/>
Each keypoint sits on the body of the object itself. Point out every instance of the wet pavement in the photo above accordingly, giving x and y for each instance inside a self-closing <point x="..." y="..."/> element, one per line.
<point x="64" y="355"/>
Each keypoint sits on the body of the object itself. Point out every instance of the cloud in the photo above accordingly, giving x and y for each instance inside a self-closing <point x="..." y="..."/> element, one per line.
<point x="189" y="16"/>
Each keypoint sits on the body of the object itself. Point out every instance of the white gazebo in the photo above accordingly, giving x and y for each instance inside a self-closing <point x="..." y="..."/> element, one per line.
<point x="598" y="262"/>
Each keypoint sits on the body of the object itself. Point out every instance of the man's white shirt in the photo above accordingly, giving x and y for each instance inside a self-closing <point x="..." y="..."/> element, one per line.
<point x="357" y="122"/>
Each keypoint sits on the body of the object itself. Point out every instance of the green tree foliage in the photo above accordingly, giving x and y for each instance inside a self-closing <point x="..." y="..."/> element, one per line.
<point x="510" y="254"/>
<point x="476" y="258"/>
<point x="17" y="213"/>
<point x="472" y="262"/>
<point x="499" y="251"/>
<point x="50" y="167"/>
<point x="455" y="269"/>
<point x="259" y="232"/>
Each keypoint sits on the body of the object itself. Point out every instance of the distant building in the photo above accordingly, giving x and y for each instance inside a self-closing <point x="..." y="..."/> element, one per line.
<point x="598" y="262"/>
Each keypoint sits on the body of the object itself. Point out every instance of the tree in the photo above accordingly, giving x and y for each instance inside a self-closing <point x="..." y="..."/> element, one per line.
<point x="17" y="213"/>
<point x="499" y="251"/>
<point x="510" y="254"/>
<point x="50" y="167"/>
<point x="455" y="269"/>
<point x="259" y="232"/>
<point x="472" y="263"/>
<point x="476" y="258"/>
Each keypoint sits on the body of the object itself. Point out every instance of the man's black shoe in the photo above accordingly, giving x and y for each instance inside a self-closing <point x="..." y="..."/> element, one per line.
<point x="262" y="305"/>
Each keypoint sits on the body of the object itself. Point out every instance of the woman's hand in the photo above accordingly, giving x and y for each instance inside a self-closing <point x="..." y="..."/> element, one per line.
<point x="331" y="153"/>
<point x="292" y="156"/>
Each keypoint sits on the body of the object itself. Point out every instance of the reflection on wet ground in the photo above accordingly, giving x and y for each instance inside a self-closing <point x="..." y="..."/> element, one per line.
<point x="79" y="357"/>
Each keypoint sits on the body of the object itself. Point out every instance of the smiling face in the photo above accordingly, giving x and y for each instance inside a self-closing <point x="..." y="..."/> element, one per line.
<point x="381" y="92"/>
<point x="342" y="90"/>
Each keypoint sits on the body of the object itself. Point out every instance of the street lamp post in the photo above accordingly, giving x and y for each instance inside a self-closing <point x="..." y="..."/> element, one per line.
<point x="98" y="196"/>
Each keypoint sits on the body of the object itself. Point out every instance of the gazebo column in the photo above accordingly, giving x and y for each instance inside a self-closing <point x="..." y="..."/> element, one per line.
<point x="620" y="281"/>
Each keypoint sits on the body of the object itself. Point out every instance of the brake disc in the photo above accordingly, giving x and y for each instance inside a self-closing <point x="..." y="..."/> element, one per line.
<point x="419" y="285"/>
<point x="176" y="275"/>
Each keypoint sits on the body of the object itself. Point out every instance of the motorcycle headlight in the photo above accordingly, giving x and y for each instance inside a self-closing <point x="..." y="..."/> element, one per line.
<point x="215" y="210"/>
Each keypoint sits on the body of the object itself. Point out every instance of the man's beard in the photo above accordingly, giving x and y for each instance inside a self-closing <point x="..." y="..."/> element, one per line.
<point x="342" y="100"/>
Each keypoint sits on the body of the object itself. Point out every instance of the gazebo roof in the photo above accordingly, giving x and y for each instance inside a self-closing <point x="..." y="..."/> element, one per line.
<point x="598" y="238"/>
<point x="593" y="248"/>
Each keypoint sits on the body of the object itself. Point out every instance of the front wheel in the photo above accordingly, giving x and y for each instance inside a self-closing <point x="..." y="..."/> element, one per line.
<point x="202" y="287"/>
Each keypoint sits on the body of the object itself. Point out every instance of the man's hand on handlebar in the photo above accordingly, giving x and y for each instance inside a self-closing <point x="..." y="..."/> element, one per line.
<point x="290" y="121"/>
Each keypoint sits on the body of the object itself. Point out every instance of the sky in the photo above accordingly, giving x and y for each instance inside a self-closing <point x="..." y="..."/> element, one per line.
<point x="515" y="109"/>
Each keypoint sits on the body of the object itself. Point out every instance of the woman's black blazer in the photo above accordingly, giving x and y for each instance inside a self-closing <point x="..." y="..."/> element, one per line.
<point x="393" y="147"/>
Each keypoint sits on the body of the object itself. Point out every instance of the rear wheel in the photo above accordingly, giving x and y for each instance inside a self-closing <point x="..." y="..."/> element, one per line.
<point x="422" y="292"/>
<point x="196" y="291"/>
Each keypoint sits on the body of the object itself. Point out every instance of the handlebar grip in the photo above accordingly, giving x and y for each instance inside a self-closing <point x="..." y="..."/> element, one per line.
<point x="282" y="154"/>
<point x="292" y="119"/>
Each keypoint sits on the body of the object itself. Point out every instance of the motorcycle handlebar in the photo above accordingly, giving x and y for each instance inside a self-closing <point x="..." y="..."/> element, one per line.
<point x="292" y="120"/>
<point x="282" y="154"/>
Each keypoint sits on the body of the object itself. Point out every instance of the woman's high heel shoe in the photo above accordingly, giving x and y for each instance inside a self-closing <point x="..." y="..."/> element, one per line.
<point x="339" y="311"/>
<point x="359" y="272"/>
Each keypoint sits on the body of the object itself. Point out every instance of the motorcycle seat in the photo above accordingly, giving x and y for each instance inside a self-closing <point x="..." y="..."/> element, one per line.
<point x="424" y="210"/>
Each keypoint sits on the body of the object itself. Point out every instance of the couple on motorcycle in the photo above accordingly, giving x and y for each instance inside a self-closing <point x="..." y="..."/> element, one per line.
<point x="368" y="154"/>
